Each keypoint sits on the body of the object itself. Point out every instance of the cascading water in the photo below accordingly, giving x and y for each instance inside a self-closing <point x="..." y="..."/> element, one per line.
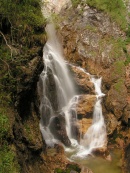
<point x="96" y="136"/>
<point x="58" y="96"/>
<point x="55" y="87"/>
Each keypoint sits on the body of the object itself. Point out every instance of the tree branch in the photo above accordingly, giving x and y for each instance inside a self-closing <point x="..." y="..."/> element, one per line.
<point x="6" y="42"/>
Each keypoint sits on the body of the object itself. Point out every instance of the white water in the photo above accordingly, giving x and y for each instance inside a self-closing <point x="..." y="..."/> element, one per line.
<point x="56" y="76"/>
<point x="96" y="136"/>
<point x="64" y="89"/>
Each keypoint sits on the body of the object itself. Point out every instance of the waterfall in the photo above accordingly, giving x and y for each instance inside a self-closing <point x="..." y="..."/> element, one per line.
<point x="96" y="136"/>
<point x="58" y="103"/>
<point x="55" y="87"/>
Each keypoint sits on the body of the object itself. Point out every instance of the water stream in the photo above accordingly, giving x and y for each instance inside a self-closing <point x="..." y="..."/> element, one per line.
<point x="58" y="96"/>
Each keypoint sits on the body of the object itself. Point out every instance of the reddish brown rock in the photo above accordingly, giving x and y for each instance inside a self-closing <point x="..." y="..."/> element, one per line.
<point x="82" y="79"/>
<point x="85" y="106"/>
<point x="112" y="123"/>
<point x="116" y="98"/>
<point x="84" y="124"/>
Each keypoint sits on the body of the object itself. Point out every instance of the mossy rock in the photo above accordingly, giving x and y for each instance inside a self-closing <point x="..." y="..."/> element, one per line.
<point x="69" y="168"/>
<point x="117" y="71"/>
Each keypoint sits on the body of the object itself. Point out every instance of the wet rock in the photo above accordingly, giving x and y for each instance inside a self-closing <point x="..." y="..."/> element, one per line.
<point x="59" y="148"/>
<point x="120" y="142"/>
<point x="85" y="106"/>
<point x="127" y="159"/>
<point x="58" y="129"/>
<point x="83" y="80"/>
<point x="111" y="123"/>
<point x="84" y="124"/>
<point x="126" y="115"/>
<point x="84" y="109"/>
<point x="102" y="152"/>
<point x="116" y="98"/>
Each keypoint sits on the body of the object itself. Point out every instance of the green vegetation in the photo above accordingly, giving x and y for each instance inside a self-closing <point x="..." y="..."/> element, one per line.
<point x="22" y="37"/>
<point x="119" y="68"/>
<point x="69" y="168"/>
<point x="91" y="28"/>
<point x="21" y="32"/>
<point x="127" y="42"/>
<point x="4" y="125"/>
<point x="7" y="161"/>
<point x="118" y="86"/>
<point x="115" y="9"/>
<point x="75" y="2"/>
<point x="117" y="72"/>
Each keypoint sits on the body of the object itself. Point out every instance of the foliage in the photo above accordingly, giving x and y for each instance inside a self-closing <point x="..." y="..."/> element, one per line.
<point x="23" y="19"/>
<point x="4" y="125"/>
<point x="22" y="12"/>
<point x="127" y="59"/>
<point x="75" y="2"/>
<point x="7" y="161"/>
<point x="21" y="28"/>
<point x="116" y="9"/>
<point x="21" y="38"/>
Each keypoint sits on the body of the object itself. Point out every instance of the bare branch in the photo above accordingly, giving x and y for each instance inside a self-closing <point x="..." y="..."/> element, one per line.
<point x="6" y="43"/>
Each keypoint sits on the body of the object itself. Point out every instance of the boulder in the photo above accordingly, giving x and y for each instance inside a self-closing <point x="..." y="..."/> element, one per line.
<point x="82" y="79"/>
<point x="85" y="111"/>
<point x="84" y="124"/>
<point x="111" y="123"/>
<point x="58" y="129"/>
<point x="85" y="106"/>
<point x="116" y="98"/>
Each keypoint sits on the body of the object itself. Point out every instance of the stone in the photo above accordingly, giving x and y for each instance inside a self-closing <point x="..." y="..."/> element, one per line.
<point x="82" y="79"/>
<point x="85" y="106"/>
<point x="84" y="124"/>
<point x="116" y="98"/>
<point x="111" y="123"/>
<point x="58" y="129"/>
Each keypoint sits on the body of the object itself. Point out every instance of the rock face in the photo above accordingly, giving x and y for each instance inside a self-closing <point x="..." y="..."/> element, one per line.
<point x="127" y="158"/>
<point x="84" y="109"/>
<point x="85" y="106"/>
<point x="116" y="99"/>
<point x="82" y="80"/>
<point x="111" y="123"/>
<point x="91" y="40"/>
<point x="58" y="129"/>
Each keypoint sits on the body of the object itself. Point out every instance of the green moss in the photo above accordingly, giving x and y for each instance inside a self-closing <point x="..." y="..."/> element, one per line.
<point x="119" y="67"/>
<point x="116" y="9"/>
<point x="28" y="132"/>
<point x="8" y="161"/>
<point x="127" y="59"/>
<point x="75" y="2"/>
<point x="91" y="28"/>
<point x="58" y="170"/>
<point x="4" y="125"/>
<point x="118" y="86"/>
